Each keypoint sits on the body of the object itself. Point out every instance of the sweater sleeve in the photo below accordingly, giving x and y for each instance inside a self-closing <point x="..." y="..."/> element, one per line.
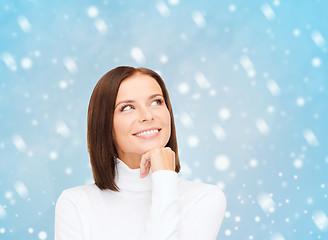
<point x="67" y="221"/>
<point x="164" y="212"/>
<point x="202" y="220"/>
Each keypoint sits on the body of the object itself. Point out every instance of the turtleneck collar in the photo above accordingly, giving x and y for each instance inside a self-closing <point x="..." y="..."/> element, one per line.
<point x="129" y="179"/>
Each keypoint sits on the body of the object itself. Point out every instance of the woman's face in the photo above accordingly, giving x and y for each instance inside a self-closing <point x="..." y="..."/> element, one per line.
<point x="141" y="119"/>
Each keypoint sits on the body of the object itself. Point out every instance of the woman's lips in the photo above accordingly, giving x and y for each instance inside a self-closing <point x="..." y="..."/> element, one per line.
<point x="147" y="134"/>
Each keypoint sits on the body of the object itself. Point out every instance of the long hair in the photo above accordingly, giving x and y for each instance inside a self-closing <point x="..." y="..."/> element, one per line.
<point x="100" y="124"/>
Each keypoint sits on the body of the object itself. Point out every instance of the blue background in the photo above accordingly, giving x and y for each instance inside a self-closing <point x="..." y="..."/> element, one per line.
<point x="248" y="84"/>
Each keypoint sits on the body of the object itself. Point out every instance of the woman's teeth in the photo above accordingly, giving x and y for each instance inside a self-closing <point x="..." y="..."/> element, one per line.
<point x="147" y="132"/>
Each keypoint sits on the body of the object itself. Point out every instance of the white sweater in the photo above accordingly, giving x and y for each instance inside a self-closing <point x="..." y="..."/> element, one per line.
<point x="157" y="207"/>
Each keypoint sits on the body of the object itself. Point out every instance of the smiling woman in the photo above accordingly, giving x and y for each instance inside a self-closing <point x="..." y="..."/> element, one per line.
<point x="133" y="150"/>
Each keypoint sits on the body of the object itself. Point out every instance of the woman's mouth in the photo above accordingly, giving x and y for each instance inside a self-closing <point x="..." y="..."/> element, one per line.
<point x="148" y="133"/>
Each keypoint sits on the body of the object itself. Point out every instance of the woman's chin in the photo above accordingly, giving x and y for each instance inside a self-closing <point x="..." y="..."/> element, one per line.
<point x="151" y="147"/>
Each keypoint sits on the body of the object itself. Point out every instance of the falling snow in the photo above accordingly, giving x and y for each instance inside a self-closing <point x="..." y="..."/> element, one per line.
<point x="318" y="39"/>
<point x="163" y="9"/>
<point x="138" y="55"/>
<point x="92" y="12"/>
<point x="222" y="162"/>
<point x="248" y="86"/>
<point x="198" y="19"/>
<point x="268" y="12"/>
<point x="266" y="202"/>
<point x="273" y="87"/>
<point x="9" y="60"/>
<point x="62" y="129"/>
<point x="21" y="189"/>
<point x="24" y="24"/>
<point x="101" y="26"/>
<point x="202" y="80"/>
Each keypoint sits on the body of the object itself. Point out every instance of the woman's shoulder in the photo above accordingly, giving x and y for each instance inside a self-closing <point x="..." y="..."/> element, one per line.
<point x="196" y="190"/>
<point x="78" y="193"/>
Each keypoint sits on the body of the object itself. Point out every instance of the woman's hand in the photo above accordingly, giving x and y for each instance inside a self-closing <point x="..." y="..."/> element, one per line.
<point x="158" y="159"/>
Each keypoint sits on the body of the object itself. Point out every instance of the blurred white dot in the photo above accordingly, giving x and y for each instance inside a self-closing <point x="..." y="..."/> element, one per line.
<point x="45" y="96"/>
<point x="300" y="101"/>
<point x="257" y="219"/>
<point x="250" y="237"/>
<point x="276" y="2"/>
<point x="224" y="113"/>
<point x="163" y="59"/>
<point x="227" y="232"/>
<point x="227" y="214"/>
<point x="138" y="55"/>
<point x="63" y="84"/>
<point x="183" y="88"/>
<point x="92" y="11"/>
<point x="270" y="109"/>
<point x="253" y="163"/>
<point x="26" y="63"/>
<point x="237" y="219"/>
<point x="203" y="59"/>
<point x="174" y="2"/>
<point x="199" y="19"/>
<point x="296" y="32"/>
<point x="30" y="230"/>
<point x="37" y="53"/>
<point x="35" y="122"/>
<point x="287" y="220"/>
<point x="309" y="201"/>
<point x="2" y="230"/>
<point x="193" y="141"/>
<point x="298" y="163"/>
<point x="42" y="235"/>
<point x="212" y="92"/>
<point x="8" y="194"/>
<point x="232" y="8"/>
<point x="222" y="163"/>
<point x="196" y="96"/>
<point x="316" y="62"/>
<point x="68" y="171"/>
<point x="53" y="155"/>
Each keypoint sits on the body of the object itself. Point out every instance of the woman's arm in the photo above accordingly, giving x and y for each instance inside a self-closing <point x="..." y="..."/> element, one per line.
<point x="67" y="222"/>
<point x="164" y="212"/>
<point x="201" y="221"/>
<point x="204" y="217"/>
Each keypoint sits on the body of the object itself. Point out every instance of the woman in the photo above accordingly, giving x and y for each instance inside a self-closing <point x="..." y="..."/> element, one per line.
<point x="134" y="157"/>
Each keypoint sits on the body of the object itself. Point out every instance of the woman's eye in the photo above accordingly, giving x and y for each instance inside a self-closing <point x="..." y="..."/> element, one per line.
<point x="126" y="107"/>
<point x="157" y="102"/>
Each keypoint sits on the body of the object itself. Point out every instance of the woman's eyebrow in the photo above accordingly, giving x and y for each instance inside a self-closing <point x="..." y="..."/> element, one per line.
<point x="130" y="101"/>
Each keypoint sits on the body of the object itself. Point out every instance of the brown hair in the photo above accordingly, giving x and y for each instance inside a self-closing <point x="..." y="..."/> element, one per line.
<point x="100" y="124"/>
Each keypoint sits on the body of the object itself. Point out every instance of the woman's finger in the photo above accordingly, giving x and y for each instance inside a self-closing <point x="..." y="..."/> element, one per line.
<point x="143" y="164"/>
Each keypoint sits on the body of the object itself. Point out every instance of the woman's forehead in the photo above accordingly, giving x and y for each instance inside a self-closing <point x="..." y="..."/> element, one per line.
<point x="138" y="85"/>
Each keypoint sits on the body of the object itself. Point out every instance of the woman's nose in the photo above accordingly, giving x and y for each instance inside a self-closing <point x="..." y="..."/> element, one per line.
<point x="145" y="114"/>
